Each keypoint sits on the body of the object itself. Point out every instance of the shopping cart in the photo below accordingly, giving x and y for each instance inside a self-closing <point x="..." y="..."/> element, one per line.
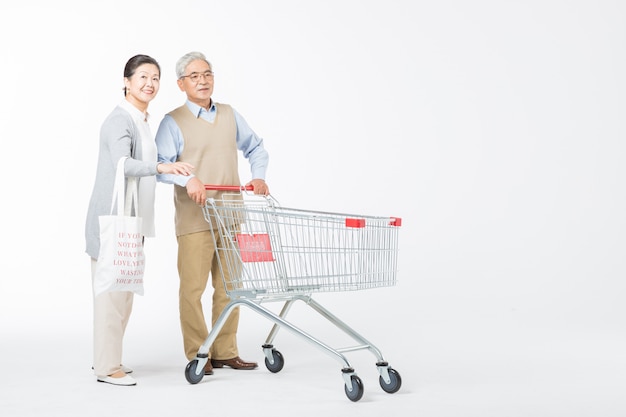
<point x="272" y="253"/>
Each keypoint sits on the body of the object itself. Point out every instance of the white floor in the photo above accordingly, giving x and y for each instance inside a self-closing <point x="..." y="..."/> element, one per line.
<point x="450" y="366"/>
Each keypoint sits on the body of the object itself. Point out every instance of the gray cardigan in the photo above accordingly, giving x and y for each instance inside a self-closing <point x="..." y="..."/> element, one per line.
<point x="118" y="138"/>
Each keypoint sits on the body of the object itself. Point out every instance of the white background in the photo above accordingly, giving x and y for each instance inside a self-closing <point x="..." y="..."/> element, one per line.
<point x="495" y="129"/>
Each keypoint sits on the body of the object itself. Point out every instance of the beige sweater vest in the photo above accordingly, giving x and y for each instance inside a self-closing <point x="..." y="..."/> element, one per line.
<point x="212" y="149"/>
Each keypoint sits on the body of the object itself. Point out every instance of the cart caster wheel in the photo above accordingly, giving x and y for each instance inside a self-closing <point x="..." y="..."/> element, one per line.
<point x="394" y="383"/>
<point x="278" y="364"/>
<point x="357" y="389"/>
<point x="190" y="372"/>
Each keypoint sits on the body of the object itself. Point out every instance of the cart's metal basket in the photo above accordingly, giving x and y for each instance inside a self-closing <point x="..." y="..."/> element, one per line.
<point x="266" y="250"/>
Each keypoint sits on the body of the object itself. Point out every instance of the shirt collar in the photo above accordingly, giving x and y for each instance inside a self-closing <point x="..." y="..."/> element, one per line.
<point x="137" y="115"/>
<point x="197" y="110"/>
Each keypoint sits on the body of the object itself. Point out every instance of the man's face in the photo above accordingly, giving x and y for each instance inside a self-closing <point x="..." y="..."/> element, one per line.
<point x="197" y="82"/>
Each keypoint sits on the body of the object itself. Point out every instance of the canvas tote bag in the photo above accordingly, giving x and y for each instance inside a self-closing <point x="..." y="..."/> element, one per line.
<point x="121" y="260"/>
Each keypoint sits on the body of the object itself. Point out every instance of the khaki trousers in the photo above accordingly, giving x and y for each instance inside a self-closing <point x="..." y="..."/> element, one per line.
<point x="111" y="311"/>
<point x="196" y="260"/>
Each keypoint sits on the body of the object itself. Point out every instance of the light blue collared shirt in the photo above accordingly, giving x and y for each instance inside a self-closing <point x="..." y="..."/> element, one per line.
<point x="170" y="143"/>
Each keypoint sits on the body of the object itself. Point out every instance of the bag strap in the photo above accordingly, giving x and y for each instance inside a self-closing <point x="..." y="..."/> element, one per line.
<point x="124" y="205"/>
<point x="131" y="196"/>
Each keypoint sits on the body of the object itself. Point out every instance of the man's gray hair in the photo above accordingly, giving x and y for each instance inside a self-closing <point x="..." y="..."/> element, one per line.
<point x="186" y="59"/>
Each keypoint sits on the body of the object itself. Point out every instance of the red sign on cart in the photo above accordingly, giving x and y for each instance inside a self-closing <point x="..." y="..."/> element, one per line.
<point x="255" y="247"/>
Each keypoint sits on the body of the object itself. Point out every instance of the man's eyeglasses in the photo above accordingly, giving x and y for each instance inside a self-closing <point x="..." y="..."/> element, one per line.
<point x="195" y="76"/>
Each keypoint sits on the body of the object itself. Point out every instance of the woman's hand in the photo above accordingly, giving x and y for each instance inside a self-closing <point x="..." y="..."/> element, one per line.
<point x="178" y="168"/>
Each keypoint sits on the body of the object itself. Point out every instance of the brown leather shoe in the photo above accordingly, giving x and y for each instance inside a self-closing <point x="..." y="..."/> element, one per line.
<point x="235" y="363"/>
<point x="208" y="368"/>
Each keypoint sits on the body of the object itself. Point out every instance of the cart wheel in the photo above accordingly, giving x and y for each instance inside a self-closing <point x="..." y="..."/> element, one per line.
<point x="190" y="372"/>
<point x="394" y="383"/>
<point x="278" y="364"/>
<point x="357" y="389"/>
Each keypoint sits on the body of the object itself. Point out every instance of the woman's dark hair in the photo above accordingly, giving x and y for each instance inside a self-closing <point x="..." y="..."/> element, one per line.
<point x="135" y="62"/>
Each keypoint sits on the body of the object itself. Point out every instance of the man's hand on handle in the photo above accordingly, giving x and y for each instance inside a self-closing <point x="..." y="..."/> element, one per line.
<point x="196" y="191"/>
<point x="260" y="187"/>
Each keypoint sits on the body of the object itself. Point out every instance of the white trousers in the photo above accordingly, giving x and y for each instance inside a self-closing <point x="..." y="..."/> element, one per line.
<point x="111" y="311"/>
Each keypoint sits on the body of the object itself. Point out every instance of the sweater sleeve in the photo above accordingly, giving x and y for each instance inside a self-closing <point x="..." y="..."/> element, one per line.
<point x="121" y="138"/>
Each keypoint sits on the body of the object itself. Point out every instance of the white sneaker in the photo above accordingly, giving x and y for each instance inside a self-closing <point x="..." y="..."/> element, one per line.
<point x="126" y="380"/>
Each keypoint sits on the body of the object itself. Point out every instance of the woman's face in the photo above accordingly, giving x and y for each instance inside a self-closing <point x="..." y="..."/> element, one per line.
<point x="143" y="85"/>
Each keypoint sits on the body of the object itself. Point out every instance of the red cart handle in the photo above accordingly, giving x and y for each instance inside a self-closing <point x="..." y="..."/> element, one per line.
<point x="228" y="187"/>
